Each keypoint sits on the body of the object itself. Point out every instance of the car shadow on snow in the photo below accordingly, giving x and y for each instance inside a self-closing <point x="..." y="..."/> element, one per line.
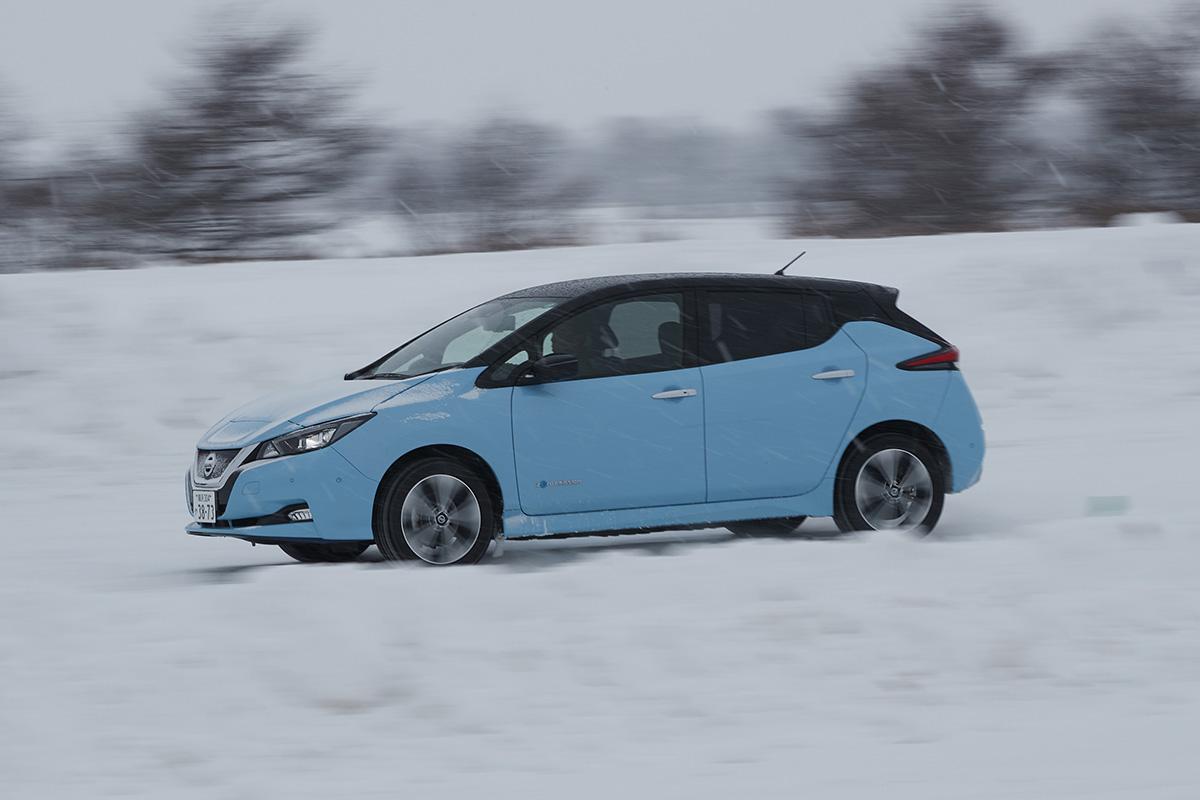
<point x="532" y="554"/>
<point x="230" y="573"/>
<point x="540" y="554"/>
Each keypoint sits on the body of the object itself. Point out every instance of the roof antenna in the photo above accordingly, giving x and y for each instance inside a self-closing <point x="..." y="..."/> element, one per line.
<point x="793" y="261"/>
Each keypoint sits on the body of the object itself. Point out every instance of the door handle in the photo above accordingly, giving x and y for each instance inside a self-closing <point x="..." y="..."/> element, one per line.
<point x="833" y="375"/>
<point x="674" y="394"/>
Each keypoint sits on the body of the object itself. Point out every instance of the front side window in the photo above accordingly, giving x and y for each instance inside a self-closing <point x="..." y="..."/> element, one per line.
<point x="740" y="324"/>
<point x="621" y="337"/>
<point x="463" y="338"/>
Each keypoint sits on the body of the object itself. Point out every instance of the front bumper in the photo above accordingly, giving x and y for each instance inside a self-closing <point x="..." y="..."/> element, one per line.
<point x="299" y="532"/>
<point x="252" y="500"/>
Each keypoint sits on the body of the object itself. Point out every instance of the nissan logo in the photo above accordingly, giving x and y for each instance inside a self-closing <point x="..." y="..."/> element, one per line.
<point x="210" y="463"/>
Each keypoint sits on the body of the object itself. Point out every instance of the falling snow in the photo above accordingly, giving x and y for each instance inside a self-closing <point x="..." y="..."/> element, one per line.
<point x="1043" y="644"/>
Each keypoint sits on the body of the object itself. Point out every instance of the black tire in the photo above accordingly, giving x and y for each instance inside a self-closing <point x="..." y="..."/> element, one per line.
<point x="390" y="517"/>
<point x="326" y="552"/>
<point x="849" y="515"/>
<point x="765" y="527"/>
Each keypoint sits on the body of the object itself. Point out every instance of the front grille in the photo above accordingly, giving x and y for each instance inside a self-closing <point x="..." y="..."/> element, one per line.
<point x="211" y="464"/>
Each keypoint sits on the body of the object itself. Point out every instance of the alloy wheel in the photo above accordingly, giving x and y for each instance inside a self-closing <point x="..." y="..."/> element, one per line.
<point x="893" y="490"/>
<point x="440" y="519"/>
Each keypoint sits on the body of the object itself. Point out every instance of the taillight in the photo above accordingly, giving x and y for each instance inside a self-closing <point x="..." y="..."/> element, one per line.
<point x="946" y="358"/>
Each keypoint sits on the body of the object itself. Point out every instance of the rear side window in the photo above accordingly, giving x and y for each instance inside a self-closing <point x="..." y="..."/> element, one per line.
<point x="819" y="320"/>
<point x="737" y="325"/>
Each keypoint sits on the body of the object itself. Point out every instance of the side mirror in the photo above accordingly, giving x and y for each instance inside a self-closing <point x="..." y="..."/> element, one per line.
<point x="556" y="367"/>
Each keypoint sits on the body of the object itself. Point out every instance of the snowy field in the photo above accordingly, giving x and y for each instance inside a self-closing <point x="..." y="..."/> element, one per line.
<point x="1044" y="644"/>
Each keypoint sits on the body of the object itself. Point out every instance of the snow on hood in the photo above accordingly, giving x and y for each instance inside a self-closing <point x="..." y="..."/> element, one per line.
<point x="289" y="409"/>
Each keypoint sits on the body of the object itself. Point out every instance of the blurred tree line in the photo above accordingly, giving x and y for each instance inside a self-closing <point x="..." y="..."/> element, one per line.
<point x="969" y="132"/>
<point x="254" y="153"/>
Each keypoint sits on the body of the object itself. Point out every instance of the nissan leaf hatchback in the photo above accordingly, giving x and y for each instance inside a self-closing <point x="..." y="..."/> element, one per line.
<point x="628" y="403"/>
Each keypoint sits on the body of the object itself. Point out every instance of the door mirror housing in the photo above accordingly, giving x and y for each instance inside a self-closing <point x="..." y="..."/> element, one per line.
<point x="555" y="367"/>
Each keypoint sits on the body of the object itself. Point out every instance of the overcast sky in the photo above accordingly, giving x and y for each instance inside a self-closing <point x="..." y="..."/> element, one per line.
<point x="76" y="65"/>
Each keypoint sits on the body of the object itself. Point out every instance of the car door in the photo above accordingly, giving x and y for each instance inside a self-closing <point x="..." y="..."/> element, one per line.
<point x="628" y="430"/>
<point x="781" y="386"/>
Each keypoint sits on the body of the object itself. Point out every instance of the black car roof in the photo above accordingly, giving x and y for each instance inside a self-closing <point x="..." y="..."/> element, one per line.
<point x="734" y="280"/>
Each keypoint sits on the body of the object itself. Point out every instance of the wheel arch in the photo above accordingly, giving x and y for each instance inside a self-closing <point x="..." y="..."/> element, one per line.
<point x="450" y="451"/>
<point x="914" y="430"/>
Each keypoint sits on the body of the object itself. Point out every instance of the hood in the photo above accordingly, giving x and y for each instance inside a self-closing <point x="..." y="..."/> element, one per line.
<point x="289" y="409"/>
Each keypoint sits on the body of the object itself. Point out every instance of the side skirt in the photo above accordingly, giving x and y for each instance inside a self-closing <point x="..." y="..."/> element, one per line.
<point x="699" y="526"/>
<point x="817" y="503"/>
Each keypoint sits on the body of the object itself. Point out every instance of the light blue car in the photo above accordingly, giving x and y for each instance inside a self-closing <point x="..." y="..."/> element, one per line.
<point x="624" y="404"/>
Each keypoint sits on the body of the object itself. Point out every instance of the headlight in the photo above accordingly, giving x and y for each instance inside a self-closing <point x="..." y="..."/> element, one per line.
<point x="307" y="439"/>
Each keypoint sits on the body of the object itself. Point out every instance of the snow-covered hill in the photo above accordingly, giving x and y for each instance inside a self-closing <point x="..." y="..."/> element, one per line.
<point x="1044" y="644"/>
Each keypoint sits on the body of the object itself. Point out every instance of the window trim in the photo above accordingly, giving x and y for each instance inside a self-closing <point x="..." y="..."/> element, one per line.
<point x="541" y="326"/>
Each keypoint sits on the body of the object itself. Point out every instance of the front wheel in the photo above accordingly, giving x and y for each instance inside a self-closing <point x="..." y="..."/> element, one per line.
<point x="889" y="482"/>
<point x="436" y="510"/>
<point x="324" y="553"/>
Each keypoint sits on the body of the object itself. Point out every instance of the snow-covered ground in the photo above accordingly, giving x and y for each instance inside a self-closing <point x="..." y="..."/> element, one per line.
<point x="1044" y="644"/>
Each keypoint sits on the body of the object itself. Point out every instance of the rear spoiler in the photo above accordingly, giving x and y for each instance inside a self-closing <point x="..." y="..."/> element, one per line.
<point x="884" y="295"/>
<point x="885" y="298"/>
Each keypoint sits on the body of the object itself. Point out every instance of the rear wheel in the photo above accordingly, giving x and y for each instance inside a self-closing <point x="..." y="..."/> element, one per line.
<point x="766" y="527"/>
<point x="438" y="511"/>
<point x="325" y="552"/>
<point x="889" y="482"/>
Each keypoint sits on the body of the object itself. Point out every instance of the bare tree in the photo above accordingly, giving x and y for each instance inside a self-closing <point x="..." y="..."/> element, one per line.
<point x="242" y="157"/>
<point x="28" y="236"/>
<point x="1141" y="92"/>
<point x="923" y="145"/>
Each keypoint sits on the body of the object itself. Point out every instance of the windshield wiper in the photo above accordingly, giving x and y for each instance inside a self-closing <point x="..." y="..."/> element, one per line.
<point x="384" y="376"/>
<point x="396" y="376"/>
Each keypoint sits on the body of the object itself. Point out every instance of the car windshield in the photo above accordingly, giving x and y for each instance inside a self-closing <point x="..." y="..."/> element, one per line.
<point x="458" y="340"/>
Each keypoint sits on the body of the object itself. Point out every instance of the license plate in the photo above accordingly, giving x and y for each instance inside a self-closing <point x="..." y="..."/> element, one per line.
<point x="204" y="505"/>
